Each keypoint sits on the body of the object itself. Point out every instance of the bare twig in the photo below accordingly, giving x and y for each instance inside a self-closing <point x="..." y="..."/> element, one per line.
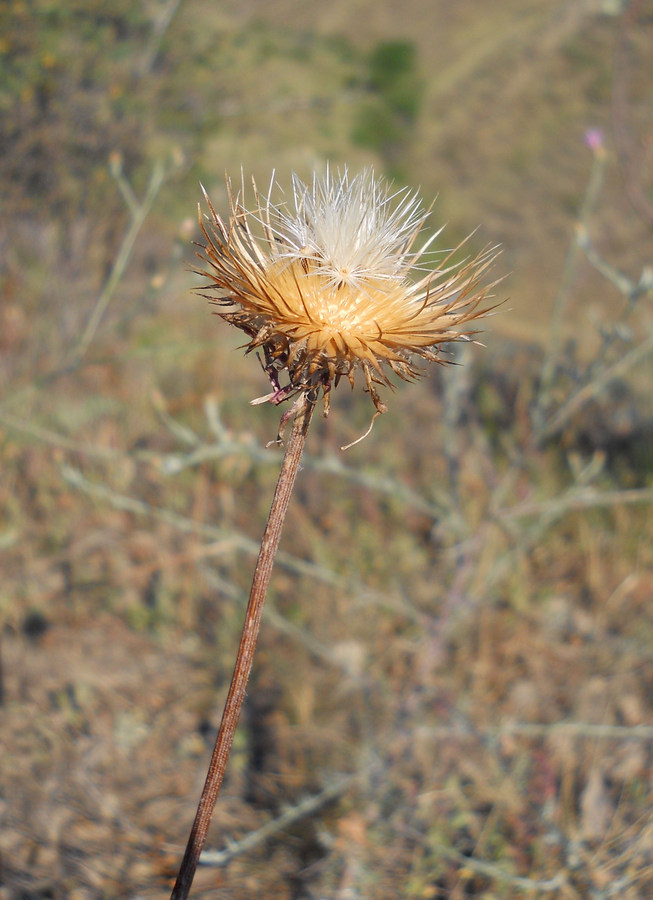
<point x="585" y="498"/>
<point x="226" y="446"/>
<point x="631" y="290"/>
<point x="568" y="274"/>
<point x="307" y="807"/>
<point x="489" y="870"/>
<point x="230" y="541"/>
<point x="139" y="214"/>
<point x="638" y="354"/>
<point x="48" y="436"/>
<point x="159" y="27"/>
<point x="628" y="151"/>
<point x="544" y="730"/>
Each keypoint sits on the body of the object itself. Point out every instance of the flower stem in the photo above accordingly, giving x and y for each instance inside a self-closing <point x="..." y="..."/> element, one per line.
<point x="248" y="639"/>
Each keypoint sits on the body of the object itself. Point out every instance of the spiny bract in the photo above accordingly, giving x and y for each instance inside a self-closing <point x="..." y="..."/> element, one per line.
<point x="321" y="282"/>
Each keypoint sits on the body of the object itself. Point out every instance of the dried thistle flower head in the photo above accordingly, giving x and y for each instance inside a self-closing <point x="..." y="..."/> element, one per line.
<point x="321" y="283"/>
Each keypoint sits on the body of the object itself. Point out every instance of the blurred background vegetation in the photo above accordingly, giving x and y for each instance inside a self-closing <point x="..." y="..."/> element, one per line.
<point x="453" y="695"/>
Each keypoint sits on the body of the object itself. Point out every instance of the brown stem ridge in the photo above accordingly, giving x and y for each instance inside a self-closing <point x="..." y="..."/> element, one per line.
<point x="248" y="639"/>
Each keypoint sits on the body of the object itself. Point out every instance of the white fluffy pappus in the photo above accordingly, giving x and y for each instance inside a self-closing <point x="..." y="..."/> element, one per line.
<point x="322" y="284"/>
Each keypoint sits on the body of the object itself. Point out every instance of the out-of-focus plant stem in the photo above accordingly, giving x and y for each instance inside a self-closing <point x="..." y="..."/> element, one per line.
<point x="547" y="376"/>
<point x="140" y="212"/>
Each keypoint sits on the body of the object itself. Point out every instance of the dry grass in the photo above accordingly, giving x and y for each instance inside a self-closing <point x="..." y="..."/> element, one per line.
<point x="461" y="617"/>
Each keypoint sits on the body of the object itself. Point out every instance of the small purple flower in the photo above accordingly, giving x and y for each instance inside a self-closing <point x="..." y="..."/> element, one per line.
<point x="594" y="139"/>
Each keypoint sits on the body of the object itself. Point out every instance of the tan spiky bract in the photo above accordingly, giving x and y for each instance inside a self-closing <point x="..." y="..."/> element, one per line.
<point x="321" y="282"/>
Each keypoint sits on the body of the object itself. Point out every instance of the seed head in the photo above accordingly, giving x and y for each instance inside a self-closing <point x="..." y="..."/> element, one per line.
<point x="321" y="283"/>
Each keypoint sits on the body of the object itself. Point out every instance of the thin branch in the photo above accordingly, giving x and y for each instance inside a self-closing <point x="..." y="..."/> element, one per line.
<point x="231" y="541"/>
<point x="138" y="218"/>
<point x="279" y="622"/>
<point x="545" y="730"/>
<point x="57" y="440"/>
<point x="160" y="26"/>
<point x="489" y="870"/>
<point x="181" y="432"/>
<point x="631" y="290"/>
<point x="139" y="212"/>
<point x="629" y="148"/>
<point x="568" y="274"/>
<point x="557" y="421"/>
<point x="585" y="498"/>
<point x="307" y="807"/>
<point x="226" y="445"/>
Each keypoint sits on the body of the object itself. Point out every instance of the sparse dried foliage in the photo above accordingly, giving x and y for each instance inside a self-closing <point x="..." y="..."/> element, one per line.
<point x="452" y="697"/>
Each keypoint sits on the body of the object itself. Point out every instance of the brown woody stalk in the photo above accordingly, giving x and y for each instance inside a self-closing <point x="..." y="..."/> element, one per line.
<point x="249" y="637"/>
